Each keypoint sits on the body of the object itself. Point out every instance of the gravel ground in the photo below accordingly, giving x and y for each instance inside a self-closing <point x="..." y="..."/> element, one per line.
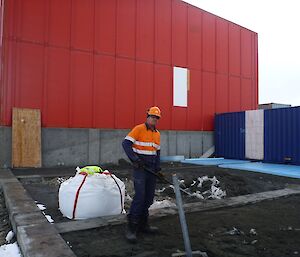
<point x="4" y="220"/>
<point x="266" y="229"/>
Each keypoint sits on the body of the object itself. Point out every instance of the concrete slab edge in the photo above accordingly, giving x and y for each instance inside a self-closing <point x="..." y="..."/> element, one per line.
<point x="35" y="235"/>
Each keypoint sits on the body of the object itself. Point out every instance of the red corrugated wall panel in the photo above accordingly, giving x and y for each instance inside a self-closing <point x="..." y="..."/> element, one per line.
<point x="194" y="38"/>
<point x="126" y="28"/>
<point x="208" y="100"/>
<point x="163" y="93"/>
<point x="209" y="42"/>
<point x="194" y="116"/>
<point x="125" y="93"/>
<point x="234" y="50"/>
<point x="144" y="93"/>
<point x="222" y="46"/>
<point x="163" y="31"/>
<point x="179" y="33"/>
<point x="30" y="76"/>
<point x="33" y="20"/>
<point x="104" y="91"/>
<point x="58" y="88"/>
<point x="246" y="53"/>
<point x="145" y="30"/>
<point x="59" y="23"/>
<point x="105" y="26"/>
<point x="222" y="93"/>
<point x="234" y="94"/>
<point x="82" y="24"/>
<point x="247" y="94"/>
<point x="81" y="93"/>
<point x="70" y="58"/>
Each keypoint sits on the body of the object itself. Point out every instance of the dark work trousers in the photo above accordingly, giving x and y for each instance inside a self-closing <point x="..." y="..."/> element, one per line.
<point x="144" y="186"/>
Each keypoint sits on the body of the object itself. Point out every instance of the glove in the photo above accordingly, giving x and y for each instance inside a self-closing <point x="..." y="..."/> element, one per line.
<point x="139" y="164"/>
<point x="160" y="175"/>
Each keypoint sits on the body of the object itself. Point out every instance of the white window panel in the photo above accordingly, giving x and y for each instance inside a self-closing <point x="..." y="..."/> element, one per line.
<point x="180" y="86"/>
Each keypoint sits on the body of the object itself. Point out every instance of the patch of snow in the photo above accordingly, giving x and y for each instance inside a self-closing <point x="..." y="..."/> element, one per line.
<point x="10" y="250"/>
<point x="61" y="180"/>
<point x="41" y="206"/>
<point x="162" y="204"/>
<point x="48" y="217"/>
<point x="9" y="236"/>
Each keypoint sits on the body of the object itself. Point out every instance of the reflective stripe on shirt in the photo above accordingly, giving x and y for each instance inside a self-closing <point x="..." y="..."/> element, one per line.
<point x="144" y="151"/>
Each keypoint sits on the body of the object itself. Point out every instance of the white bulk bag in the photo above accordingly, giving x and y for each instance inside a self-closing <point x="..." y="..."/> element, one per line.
<point x="98" y="195"/>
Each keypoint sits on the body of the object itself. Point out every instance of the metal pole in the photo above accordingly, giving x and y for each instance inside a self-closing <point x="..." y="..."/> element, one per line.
<point x="184" y="228"/>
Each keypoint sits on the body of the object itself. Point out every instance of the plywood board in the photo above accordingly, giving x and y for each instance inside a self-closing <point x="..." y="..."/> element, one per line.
<point x="26" y="138"/>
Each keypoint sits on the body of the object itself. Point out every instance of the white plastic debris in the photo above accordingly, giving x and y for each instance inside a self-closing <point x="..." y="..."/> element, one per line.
<point x="201" y="180"/>
<point x="253" y="232"/>
<point x="216" y="193"/>
<point x="253" y="242"/>
<point x="161" y="190"/>
<point x="234" y="231"/>
<point x="10" y="250"/>
<point x="213" y="193"/>
<point x="9" y="236"/>
<point x="194" y="182"/>
<point x="97" y="195"/>
<point x="198" y="195"/>
<point x="162" y="204"/>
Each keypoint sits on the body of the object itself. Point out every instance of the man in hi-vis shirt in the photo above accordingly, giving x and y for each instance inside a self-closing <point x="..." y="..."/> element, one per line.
<point x="142" y="146"/>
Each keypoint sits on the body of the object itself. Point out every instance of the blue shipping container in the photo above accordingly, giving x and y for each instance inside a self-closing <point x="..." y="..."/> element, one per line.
<point x="230" y="135"/>
<point x="282" y="135"/>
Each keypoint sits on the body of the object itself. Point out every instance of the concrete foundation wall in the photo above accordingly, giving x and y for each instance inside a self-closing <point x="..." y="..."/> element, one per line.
<point x="71" y="147"/>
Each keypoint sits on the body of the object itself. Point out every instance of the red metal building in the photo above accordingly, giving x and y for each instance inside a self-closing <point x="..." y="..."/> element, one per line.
<point x="102" y="63"/>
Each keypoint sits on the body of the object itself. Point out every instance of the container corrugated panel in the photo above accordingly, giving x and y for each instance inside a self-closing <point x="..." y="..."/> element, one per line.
<point x="101" y="64"/>
<point x="282" y="135"/>
<point x="230" y="135"/>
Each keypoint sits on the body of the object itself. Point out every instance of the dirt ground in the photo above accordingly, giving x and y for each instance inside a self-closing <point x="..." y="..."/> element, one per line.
<point x="275" y="233"/>
<point x="222" y="233"/>
<point x="45" y="190"/>
<point x="4" y="220"/>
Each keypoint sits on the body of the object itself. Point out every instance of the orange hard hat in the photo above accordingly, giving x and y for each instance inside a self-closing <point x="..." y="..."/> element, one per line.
<point x="154" y="111"/>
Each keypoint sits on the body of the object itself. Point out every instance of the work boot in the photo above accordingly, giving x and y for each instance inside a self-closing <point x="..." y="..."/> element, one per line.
<point x="146" y="228"/>
<point x="131" y="231"/>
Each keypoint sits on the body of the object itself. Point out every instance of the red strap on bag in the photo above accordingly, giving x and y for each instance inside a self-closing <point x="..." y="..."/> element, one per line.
<point x="77" y="193"/>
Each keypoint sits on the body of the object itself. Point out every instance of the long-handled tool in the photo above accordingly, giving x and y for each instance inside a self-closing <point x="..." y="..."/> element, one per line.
<point x="187" y="244"/>
<point x="167" y="181"/>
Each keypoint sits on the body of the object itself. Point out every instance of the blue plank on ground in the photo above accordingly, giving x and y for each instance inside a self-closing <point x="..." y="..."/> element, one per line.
<point x="175" y="158"/>
<point x="291" y="171"/>
<point x="212" y="161"/>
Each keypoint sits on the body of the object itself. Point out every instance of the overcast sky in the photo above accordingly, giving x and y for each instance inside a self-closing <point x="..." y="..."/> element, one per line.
<point x="277" y="23"/>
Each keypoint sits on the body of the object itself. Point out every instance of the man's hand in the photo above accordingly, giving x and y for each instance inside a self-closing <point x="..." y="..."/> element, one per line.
<point x="139" y="164"/>
<point x="160" y="174"/>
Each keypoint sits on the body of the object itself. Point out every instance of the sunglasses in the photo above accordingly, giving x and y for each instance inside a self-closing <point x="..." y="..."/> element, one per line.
<point x="154" y="117"/>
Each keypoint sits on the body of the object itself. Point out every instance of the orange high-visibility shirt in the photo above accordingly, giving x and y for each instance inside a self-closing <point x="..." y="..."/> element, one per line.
<point x="145" y="141"/>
